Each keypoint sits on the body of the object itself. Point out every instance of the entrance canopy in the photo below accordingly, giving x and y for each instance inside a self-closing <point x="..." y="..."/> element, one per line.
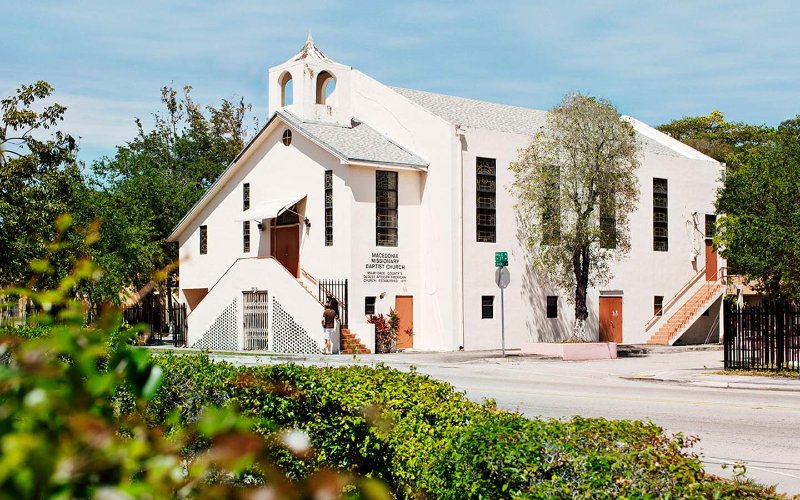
<point x="271" y="207"/>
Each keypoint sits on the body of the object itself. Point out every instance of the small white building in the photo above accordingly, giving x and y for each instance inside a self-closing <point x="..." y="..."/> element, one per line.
<point x="404" y="194"/>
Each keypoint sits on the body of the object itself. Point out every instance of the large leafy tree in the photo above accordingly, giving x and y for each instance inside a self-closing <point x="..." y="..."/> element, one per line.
<point x="39" y="179"/>
<point x="722" y="140"/>
<point x="576" y="186"/>
<point x="759" y="233"/>
<point x="142" y="192"/>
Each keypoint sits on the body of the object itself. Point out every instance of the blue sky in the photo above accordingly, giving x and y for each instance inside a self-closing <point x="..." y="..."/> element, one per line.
<point x="656" y="61"/>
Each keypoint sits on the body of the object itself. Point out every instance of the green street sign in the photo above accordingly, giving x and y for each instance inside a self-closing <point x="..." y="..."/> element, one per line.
<point x="500" y="259"/>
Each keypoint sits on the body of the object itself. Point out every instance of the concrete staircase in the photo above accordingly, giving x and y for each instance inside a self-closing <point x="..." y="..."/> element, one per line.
<point x="683" y="318"/>
<point x="349" y="343"/>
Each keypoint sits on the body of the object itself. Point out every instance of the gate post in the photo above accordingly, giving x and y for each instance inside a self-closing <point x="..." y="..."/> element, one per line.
<point x="780" y="334"/>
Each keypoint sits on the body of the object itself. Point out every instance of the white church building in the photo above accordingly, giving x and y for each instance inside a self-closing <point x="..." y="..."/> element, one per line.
<point x="387" y="197"/>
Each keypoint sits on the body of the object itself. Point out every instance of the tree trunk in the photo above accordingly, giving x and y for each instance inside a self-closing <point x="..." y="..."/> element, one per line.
<point x="580" y="263"/>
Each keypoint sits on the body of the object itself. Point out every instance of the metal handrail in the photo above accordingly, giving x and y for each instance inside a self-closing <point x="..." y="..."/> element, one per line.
<point x="671" y="302"/>
<point x="308" y="275"/>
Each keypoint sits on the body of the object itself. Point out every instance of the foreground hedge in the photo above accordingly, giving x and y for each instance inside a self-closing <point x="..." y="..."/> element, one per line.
<point x="427" y="441"/>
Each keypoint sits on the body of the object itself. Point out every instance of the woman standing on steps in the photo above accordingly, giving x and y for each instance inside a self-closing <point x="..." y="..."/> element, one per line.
<point x="329" y="317"/>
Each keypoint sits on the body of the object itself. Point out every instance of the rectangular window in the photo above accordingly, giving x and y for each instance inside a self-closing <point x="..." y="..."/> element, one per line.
<point x="487" y="306"/>
<point x="660" y="206"/>
<point x="711" y="225"/>
<point x="369" y="305"/>
<point x="246" y="196"/>
<point x="608" y="221"/>
<point x="329" y="208"/>
<point x="552" y="306"/>
<point x="658" y="305"/>
<point x="551" y="207"/>
<point x="385" y="208"/>
<point x="246" y="236"/>
<point x="203" y="240"/>
<point x="486" y="198"/>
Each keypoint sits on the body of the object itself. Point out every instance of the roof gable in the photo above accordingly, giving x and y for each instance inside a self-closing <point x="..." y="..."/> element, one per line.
<point x="358" y="143"/>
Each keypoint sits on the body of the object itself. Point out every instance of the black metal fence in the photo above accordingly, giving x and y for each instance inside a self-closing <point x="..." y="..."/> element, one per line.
<point x="762" y="337"/>
<point x="337" y="291"/>
<point x="165" y="324"/>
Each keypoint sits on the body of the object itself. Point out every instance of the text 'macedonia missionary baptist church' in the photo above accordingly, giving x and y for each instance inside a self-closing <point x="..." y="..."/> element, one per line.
<point x="404" y="194"/>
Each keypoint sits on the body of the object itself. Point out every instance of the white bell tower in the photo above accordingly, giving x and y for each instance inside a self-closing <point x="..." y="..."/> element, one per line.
<point x="312" y="87"/>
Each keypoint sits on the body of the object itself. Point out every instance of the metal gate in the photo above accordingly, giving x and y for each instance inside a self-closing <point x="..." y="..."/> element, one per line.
<point x="255" y="321"/>
<point x="335" y="291"/>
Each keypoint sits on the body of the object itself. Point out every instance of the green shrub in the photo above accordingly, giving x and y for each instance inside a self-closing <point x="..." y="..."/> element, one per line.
<point x="27" y="332"/>
<point x="426" y="440"/>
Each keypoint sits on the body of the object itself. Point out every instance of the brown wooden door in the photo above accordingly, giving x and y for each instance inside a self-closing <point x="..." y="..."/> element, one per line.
<point x="286" y="247"/>
<point x="404" y="305"/>
<point x="611" y="319"/>
<point x="711" y="262"/>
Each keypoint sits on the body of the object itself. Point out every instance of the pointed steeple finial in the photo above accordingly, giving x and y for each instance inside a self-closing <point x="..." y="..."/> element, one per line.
<point x="310" y="52"/>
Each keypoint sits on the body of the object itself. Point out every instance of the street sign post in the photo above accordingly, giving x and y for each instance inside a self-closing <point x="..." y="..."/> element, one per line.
<point x="502" y="277"/>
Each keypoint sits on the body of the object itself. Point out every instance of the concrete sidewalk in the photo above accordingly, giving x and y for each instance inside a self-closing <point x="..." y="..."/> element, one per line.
<point x="685" y="365"/>
<point x="707" y="377"/>
<point x="716" y="380"/>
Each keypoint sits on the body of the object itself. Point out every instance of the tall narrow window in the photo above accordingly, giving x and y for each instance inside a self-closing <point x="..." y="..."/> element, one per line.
<point x="487" y="306"/>
<point x="203" y="240"/>
<point x="658" y="305"/>
<point x="328" y="208"/>
<point x="486" y="193"/>
<point x="608" y="221"/>
<point x="552" y="306"/>
<point x="551" y="206"/>
<point x="385" y="208"/>
<point x="660" y="205"/>
<point x="711" y="224"/>
<point x="246" y="236"/>
<point x="246" y="196"/>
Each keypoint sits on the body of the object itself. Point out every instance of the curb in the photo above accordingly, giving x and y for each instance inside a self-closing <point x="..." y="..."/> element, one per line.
<point x="716" y="385"/>
<point x="642" y="350"/>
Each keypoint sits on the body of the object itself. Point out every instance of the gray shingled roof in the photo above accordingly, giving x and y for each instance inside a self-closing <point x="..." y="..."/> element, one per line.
<point x="501" y="117"/>
<point x="478" y="114"/>
<point x="359" y="142"/>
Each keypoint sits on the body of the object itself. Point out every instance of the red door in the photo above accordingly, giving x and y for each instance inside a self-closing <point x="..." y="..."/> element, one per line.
<point x="711" y="262"/>
<point x="611" y="319"/>
<point x="286" y="247"/>
<point x="404" y="305"/>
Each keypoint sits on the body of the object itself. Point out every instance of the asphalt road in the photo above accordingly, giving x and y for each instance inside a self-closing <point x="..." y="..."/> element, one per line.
<point x="756" y="427"/>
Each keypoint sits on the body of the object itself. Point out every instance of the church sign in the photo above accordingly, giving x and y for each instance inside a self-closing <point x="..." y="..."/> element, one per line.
<point x="384" y="267"/>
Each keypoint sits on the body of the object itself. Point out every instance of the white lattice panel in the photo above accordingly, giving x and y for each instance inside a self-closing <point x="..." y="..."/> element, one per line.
<point x="288" y="336"/>
<point x="222" y="334"/>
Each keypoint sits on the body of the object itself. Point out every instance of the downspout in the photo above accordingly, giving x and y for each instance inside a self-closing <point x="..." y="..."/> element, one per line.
<point x="460" y="176"/>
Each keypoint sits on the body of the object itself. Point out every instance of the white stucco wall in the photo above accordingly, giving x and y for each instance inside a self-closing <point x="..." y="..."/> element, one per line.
<point x="643" y="274"/>
<point x="436" y="305"/>
<point x="251" y="274"/>
<point x="271" y="169"/>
